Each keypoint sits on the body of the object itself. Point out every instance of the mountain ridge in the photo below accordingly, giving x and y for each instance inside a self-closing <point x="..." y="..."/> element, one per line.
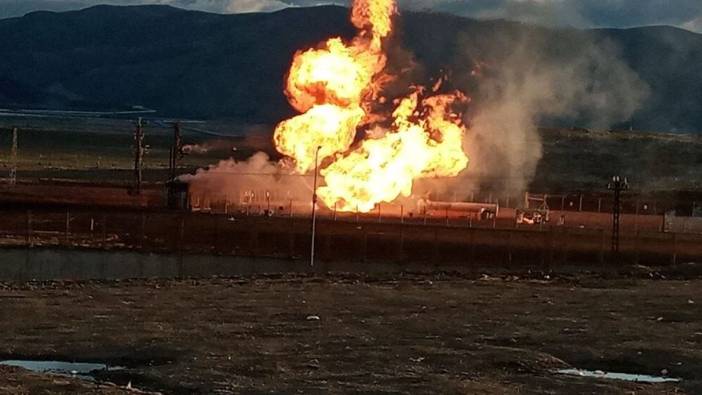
<point x="197" y="64"/>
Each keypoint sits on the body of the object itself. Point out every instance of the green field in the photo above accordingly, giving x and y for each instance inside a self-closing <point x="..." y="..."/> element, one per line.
<point x="102" y="150"/>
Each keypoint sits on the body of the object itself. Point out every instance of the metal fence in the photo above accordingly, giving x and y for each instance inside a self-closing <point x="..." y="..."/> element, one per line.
<point x="363" y="238"/>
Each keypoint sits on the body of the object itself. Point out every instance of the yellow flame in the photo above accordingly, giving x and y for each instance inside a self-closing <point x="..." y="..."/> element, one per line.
<point x="335" y="74"/>
<point x="333" y="87"/>
<point x="373" y="17"/>
<point x="330" y="127"/>
<point x="382" y="169"/>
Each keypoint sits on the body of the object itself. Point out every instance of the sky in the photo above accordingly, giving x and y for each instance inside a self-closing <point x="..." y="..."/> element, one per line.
<point x="686" y="14"/>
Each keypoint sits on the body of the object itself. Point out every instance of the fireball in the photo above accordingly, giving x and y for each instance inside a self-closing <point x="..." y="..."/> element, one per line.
<point x="333" y="87"/>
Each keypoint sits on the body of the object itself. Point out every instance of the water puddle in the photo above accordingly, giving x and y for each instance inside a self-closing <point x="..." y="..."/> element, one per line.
<point x="84" y="370"/>
<point x="638" y="378"/>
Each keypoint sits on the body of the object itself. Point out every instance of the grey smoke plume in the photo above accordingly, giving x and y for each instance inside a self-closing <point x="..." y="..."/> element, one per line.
<point x="255" y="181"/>
<point x="537" y="80"/>
<point x="209" y="146"/>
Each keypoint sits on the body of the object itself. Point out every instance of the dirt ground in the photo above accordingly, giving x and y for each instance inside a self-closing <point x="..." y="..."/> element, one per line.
<point x="442" y="333"/>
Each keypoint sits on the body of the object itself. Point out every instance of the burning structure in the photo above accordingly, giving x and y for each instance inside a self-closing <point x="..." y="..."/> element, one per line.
<point x="368" y="148"/>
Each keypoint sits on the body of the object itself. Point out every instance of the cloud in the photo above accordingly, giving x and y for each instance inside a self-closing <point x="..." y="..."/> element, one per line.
<point x="577" y="13"/>
<point x="12" y="8"/>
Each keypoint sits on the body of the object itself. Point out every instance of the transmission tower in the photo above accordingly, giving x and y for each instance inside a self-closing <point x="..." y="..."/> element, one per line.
<point x="617" y="185"/>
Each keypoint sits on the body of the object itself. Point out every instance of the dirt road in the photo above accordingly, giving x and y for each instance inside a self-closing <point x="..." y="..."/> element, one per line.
<point x="341" y="333"/>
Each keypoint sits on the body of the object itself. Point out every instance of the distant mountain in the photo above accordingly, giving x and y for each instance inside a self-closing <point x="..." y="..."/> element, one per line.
<point x="196" y="64"/>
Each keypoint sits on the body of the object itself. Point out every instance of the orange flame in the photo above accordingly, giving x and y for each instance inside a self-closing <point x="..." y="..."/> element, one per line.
<point x="333" y="87"/>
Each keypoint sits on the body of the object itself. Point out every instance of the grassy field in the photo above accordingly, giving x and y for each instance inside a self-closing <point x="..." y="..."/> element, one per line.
<point x="573" y="160"/>
<point x="407" y="334"/>
<point x="653" y="162"/>
<point x="100" y="150"/>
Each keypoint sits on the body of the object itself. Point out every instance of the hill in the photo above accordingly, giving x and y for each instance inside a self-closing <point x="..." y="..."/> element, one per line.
<point x="196" y="64"/>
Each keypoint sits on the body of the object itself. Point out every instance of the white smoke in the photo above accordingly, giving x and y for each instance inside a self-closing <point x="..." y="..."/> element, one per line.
<point x="527" y="86"/>
<point x="258" y="179"/>
<point x="694" y="25"/>
<point x="209" y="146"/>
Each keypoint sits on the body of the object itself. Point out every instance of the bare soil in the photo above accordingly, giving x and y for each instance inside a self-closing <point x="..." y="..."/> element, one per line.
<point x="339" y="333"/>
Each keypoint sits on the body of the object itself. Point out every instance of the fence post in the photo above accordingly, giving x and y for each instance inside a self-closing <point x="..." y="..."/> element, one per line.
<point x="253" y="241"/>
<point x="545" y="238"/>
<point x="551" y="246"/>
<point x="181" y="232"/>
<point x="675" y="249"/>
<point x="68" y="225"/>
<point x="29" y="228"/>
<point x="327" y="246"/>
<point x="509" y="248"/>
<point x="565" y="244"/>
<point x="142" y="230"/>
<point x="401" y="245"/>
<point x="216" y="243"/>
<point x="471" y="240"/>
<point x="435" y="249"/>
<point x="104" y="229"/>
<point x="602" y="246"/>
<point x="291" y="239"/>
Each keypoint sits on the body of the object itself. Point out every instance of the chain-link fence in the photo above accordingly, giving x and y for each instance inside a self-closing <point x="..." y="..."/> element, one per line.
<point x="351" y="237"/>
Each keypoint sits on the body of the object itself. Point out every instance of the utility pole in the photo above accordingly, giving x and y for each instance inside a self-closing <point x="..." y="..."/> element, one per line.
<point x="13" y="158"/>
<point x="176" y="151"/>
<point x="138" y="155"/>
<point x="617" y="185"/>
<point x="314" y="204"/>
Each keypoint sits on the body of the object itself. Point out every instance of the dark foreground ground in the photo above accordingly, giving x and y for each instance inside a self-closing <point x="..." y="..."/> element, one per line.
<point x="401" y="334"/>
